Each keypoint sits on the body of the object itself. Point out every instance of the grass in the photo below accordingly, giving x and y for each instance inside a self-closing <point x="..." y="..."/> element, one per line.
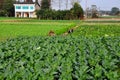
<point x="10" y="28"/>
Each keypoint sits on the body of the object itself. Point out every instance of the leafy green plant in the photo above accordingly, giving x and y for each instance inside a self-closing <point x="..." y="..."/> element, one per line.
<point x="60" y="58"/>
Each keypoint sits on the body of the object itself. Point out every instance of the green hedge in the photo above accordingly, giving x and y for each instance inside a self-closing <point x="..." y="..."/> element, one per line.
<point x="60" y="58"/>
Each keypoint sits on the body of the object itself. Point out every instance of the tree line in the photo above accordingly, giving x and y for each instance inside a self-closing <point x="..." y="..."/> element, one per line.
<point x="76" y="12"/>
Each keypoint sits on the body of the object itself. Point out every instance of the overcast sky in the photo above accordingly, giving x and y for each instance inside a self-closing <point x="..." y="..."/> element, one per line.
<point x="101" y="4"/>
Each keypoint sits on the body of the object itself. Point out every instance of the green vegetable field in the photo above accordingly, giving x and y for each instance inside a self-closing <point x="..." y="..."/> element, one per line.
<point x="60" y="58"/>
<point x="90" y="52"/>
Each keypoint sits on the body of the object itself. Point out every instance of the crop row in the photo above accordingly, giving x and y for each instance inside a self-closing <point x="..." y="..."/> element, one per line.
<point x="60" y="58"/>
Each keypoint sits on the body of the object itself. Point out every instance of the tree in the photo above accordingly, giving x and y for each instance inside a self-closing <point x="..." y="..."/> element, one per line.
<point x="77" y="11"/>
<point x="115" y="11"/>
<point x="45" y="10"/>
<point x="1" y="4"/>
<point x="75" y="1"/>
<point x="74" y="13"/>
<point x="66" y="4"/>
<point x="8" y="7"/>
<point x="2" y="13"/>
<point x="94" y="11"/>
<point x="46" y="4"/>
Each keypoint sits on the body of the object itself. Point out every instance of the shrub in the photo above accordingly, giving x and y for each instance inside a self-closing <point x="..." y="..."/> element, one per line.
<point x="3" y="13"/>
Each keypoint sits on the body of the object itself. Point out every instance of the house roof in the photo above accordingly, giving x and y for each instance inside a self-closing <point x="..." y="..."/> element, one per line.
<point x="24" y="2"/>
<point x="27" y="2"/>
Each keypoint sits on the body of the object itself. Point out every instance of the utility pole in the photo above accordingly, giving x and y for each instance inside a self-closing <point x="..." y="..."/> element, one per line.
<point x="99" y="14"/>
<point x="86" y="9"/>
<point x="51" y="3"/>
<point x="59" y="4"/>
<point x="66" y="4"/>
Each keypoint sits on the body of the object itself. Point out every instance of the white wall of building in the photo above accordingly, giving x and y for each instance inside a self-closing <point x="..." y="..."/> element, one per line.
<point x="22" y="11"/>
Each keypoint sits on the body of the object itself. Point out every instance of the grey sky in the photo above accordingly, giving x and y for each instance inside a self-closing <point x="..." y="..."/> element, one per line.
<point x="102" y="4"/>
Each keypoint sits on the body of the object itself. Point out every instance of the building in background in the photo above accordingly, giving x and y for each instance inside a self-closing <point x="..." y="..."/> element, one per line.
<point x="26" y="8"/>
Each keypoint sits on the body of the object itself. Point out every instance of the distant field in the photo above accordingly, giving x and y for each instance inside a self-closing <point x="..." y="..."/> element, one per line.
<point x="110" y="17"/>
<point x="103" y="20"/>
<point x="94" y="30"/>
<point x="99" y="27"/>
<point x="10" y="28"/>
